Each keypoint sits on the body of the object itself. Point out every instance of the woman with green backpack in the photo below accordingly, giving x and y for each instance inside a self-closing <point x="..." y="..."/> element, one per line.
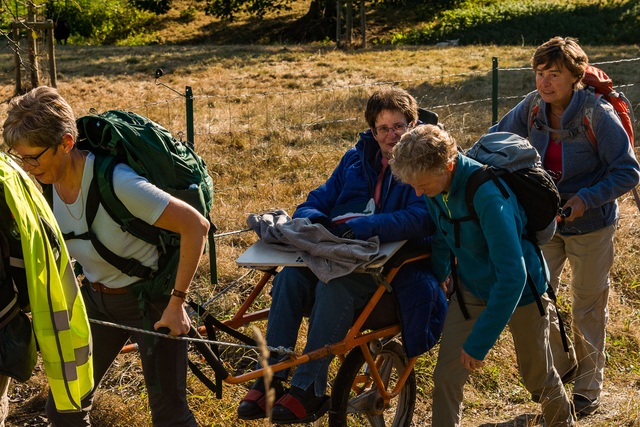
<point x="40" y="130"/>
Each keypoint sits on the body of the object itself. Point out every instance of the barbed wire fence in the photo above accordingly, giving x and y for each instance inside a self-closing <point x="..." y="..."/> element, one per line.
<point x="337" y="110"/>
<point x="334" y="112"/>
<point x="230" y="114"/>
<point x="259" y="121"/>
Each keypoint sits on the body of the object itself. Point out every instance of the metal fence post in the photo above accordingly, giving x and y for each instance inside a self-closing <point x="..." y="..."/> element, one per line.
<point x="494" y="91"/>
<point x="189" y="105"/>
<point x="213" y="268"/>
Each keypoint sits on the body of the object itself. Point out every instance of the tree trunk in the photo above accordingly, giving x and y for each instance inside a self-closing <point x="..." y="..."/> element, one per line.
<point x="319" y="23"/>
<point x="349" y="23"/>
<point x="363" y="23"/>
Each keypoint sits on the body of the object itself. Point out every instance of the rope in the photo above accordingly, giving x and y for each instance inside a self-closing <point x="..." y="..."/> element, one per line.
<point x="279" y="350"/>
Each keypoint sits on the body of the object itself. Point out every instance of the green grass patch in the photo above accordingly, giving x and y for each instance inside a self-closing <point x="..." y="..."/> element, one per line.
<point x="532" y="22"/>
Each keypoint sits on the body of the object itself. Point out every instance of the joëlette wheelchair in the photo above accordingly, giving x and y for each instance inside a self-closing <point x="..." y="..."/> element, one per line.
<point x="375" y="382"/>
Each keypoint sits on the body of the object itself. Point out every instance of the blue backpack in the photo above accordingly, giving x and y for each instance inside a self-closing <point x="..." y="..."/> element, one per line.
<point x="510" y="157"/>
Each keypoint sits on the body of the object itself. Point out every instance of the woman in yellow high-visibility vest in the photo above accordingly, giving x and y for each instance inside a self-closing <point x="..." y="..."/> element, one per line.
<point x="59" y="317"/>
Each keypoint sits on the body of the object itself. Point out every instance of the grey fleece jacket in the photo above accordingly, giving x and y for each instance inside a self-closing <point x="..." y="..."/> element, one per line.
<point x="598" y="175"/>
<point x="326" y="255"/>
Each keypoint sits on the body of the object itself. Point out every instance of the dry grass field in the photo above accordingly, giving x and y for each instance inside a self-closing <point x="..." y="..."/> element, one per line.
<point x="271" y="123"/>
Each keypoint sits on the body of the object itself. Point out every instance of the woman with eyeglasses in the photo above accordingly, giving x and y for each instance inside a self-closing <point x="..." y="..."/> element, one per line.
<point x="590" y="175"/>
<point x="40" y="130"/>
<point x="361" y="199"/>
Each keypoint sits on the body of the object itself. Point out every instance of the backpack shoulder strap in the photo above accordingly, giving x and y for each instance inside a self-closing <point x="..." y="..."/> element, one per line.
<point x="103" y="169"/>
<point x="533" y="112"/>
<point x="587" y="120"/>
<point x="128" y="266"/>
<point x="476" y="179"/>
<point x="536" y="119"/>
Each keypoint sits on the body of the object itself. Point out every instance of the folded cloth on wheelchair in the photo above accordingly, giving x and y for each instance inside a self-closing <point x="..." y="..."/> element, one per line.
<point x="325" y="254"/>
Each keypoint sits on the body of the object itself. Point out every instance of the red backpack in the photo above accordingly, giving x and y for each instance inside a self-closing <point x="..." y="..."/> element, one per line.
<point x="600" y="85"/>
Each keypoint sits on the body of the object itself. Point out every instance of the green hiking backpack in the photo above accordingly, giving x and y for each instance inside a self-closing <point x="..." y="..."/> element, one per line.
<point x="170" y="164"/>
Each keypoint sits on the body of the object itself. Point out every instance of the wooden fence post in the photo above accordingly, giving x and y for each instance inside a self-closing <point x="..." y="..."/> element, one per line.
<point x="53" y="74"/>
<point x="363" y="23"/>
<point x="16" y="57"/>
<point x="32" y="63"/>
<point x="349" y="22"/>
<point x="338" y="23"/>
<point x="31" y="48"/>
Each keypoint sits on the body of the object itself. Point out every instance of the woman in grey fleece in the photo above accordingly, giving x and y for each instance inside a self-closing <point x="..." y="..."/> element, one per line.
<point x="590" y="176"/>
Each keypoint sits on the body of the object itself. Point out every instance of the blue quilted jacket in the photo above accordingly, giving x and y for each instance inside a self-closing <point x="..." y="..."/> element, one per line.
<point x="402" y="215"/>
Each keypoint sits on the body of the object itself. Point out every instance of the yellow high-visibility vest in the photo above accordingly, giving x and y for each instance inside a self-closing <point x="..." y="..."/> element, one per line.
<point x="59" y="316"/>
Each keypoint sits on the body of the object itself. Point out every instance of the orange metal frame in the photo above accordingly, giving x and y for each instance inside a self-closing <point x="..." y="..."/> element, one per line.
<point x="355" y="337"/>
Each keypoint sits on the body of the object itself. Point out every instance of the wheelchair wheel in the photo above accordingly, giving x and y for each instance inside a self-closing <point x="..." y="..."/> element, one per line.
<point x="355" y="401"/>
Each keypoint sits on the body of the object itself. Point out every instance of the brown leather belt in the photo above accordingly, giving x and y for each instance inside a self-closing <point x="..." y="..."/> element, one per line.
<point x="99" y="287"/>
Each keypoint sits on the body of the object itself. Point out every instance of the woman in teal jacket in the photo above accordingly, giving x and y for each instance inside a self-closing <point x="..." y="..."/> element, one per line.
<point x="493" y="263"/>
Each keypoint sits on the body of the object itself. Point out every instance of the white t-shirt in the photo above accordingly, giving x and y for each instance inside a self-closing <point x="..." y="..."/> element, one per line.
<point x="143" y="199"/>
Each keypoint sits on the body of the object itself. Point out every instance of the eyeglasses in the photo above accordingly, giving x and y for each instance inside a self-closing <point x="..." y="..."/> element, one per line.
<point x="27" y="160"/>
<point x="398" y="129"/>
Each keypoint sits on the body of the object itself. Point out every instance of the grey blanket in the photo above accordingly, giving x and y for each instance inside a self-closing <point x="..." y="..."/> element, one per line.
<point x="326" y="255"/>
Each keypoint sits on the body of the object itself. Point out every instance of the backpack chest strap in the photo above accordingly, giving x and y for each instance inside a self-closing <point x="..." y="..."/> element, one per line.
<point x="453" y="221"/>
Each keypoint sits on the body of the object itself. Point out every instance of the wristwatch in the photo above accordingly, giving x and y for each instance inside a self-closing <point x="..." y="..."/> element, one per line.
<point x="178" y="294"/>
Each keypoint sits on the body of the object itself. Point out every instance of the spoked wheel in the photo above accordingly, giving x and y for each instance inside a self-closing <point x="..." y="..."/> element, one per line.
<point x="355" y="400"/>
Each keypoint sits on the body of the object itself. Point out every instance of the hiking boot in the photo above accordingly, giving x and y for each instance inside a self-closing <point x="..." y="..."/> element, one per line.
<point x="253" y="405"/>
<point x="584" y="406"/>
<point x="567" y="378"/>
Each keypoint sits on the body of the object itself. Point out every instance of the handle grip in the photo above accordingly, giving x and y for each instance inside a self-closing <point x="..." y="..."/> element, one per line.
<point x="565" y="212"/>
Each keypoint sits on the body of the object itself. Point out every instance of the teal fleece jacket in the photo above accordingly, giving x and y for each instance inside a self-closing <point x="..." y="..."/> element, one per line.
<point x="493" y="259"/>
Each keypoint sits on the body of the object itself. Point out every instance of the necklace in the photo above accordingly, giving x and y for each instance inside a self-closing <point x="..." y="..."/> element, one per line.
<point x="66" y="205"/>
<point x="556" y="115"/>
<point x="78" y="161"/>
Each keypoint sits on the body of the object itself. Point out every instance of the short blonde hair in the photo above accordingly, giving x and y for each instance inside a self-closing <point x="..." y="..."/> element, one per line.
<point x="426" y="148"/>
<point x="39" y="118"/>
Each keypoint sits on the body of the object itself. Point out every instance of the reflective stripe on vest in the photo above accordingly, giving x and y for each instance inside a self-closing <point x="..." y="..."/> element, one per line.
<point x="60" y="319"/>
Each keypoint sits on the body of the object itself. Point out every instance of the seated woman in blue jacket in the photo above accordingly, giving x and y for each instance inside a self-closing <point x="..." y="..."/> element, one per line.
<point x="493" y="262"/>
<point x="361" y="183"/>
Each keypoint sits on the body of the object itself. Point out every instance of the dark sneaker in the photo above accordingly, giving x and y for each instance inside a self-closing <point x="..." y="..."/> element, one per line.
<point x="584" y="406"/>
<point x="299" y="406"/>
<point x="253" y="405"/>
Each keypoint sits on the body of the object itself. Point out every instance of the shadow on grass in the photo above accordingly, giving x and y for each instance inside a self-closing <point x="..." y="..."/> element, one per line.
<point x="523" y="420"/>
